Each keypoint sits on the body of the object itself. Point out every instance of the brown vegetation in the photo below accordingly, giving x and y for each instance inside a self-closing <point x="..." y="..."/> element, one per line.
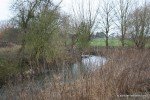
<point x="126" y="72"/>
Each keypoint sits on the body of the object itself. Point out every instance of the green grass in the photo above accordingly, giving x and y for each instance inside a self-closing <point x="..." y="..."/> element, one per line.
<point x="111" y="42"/>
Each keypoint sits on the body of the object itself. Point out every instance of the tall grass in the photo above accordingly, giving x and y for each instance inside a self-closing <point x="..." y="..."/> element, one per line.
<point x="126" y="72"/>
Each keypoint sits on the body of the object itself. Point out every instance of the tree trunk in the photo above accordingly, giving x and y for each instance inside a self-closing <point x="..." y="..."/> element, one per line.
<point x="122" y="41"/>
<point x="106" y="41"/>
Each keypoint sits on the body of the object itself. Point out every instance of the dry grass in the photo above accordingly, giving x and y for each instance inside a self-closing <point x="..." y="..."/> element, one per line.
<point x="131" y="69"/>
<point x="9" y="52"/>
<point x="126" y="72"/>
<point x="85" y="88"/>
<point x="9" y="49"/>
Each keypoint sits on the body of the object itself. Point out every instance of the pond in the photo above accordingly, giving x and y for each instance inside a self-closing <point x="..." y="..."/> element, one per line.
<point x="69" y="73"/>
<point x="88" y="63"/>
<point x="72" y="72"/>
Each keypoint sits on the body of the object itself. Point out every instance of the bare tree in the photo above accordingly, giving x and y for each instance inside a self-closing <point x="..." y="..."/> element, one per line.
<point x="139" y="25"/>
<point x="106" y="21"/>
<point x="85" y="22"/>
<point x="122" y="11"/>
<point x="65" y="27"/>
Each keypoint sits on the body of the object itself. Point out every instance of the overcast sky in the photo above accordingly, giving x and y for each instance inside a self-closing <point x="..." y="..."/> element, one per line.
<point x="66" y="5"/>
<point x="6" y="14"/>
<point x="4" y="9"/>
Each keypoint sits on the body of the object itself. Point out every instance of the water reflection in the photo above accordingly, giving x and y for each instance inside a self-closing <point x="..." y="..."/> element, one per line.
<point x="93" y="62"/>
<point x="88" y="63"/>
<point x="67" y="74"/>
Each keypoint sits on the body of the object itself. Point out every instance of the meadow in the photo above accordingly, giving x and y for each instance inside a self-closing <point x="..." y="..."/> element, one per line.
<point x="112" y="42"/>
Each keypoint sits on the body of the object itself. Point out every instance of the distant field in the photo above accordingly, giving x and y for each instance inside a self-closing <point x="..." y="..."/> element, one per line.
<point x="111" y="42"/>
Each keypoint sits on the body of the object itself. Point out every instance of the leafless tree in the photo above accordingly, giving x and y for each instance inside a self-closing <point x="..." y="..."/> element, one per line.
<point x="85" y="21"/>
<point x="122" y="11"/>
<point x="106" y="18"/>
<point x="139" y="25"/>
<point x="65" y="27"/>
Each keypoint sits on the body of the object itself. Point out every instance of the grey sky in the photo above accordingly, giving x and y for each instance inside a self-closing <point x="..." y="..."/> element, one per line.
<point x="6" y="14"/>
<point x="4" y="9"/>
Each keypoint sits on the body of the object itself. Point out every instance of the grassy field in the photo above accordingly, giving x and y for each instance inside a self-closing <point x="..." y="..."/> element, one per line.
<point x="112" y="42"/>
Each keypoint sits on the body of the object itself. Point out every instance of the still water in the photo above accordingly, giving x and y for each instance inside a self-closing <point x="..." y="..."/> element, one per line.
<point x="67" y="74"/>
<point x="89" y="63"/>
<point x="72" y="72"/>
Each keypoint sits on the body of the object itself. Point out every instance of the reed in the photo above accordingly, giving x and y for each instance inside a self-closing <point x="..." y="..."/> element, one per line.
<point x="125" y="73"/>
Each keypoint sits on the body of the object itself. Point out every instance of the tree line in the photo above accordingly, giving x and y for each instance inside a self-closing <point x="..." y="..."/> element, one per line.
<point x="128" y="18"/>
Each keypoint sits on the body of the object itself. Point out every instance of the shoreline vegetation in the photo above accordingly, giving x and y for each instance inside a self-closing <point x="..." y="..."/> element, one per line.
<point x="123" y="74"/>
<point x="41" y="48"/>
